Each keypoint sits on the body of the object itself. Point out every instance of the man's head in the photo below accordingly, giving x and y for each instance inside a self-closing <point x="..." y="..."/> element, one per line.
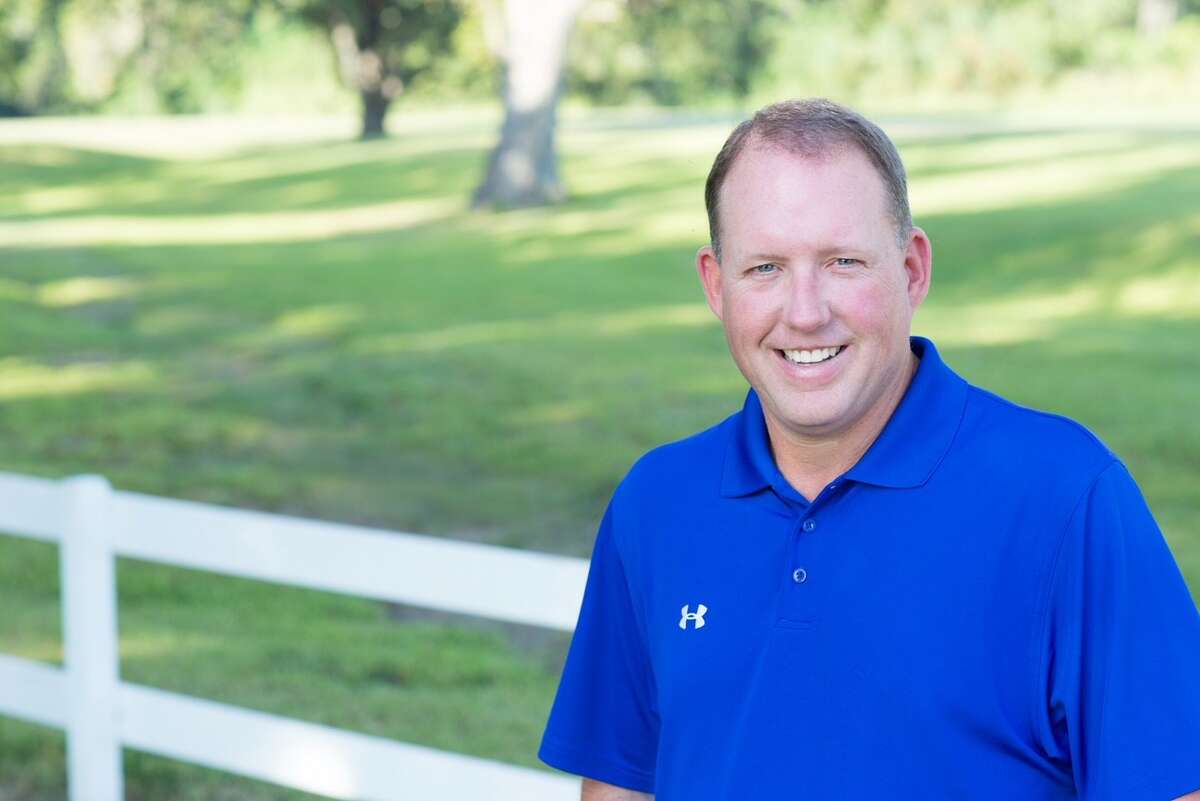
<point x="812" y="128"/>
<point x="819" y="268"/>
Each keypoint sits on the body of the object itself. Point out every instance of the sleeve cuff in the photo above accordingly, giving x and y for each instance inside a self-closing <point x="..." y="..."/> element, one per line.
<point x="592" y="766"/>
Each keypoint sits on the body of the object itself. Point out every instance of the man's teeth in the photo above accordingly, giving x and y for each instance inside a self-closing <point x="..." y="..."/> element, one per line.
<point x="812" y="356"/>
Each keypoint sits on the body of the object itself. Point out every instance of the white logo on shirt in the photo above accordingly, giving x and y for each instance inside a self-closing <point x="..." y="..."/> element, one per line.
<point x="697" y="616"/>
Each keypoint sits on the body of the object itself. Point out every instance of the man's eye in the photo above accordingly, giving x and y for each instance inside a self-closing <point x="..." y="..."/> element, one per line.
<point x="845" y="261"/>
<point x="765" y="269"/>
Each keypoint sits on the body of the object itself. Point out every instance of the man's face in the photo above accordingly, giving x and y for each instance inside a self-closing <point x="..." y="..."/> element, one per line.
<point x="815" y="293"/>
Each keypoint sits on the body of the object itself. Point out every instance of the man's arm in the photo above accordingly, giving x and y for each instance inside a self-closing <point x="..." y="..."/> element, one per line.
<point x="599" y="791"/>
<point x="1190" y="797"/>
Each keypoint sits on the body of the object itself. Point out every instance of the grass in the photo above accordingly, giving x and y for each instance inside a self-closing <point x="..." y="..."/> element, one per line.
<point x="323" y="329"/>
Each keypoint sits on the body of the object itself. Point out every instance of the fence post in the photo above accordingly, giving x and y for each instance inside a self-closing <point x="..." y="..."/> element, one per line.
<point x="89" y="610"/>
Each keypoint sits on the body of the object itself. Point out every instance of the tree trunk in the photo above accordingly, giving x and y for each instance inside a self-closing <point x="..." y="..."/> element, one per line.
<point x="523" y="168"/>
<point x="375" y="106"/>
<point x="50" y="84"/>
<point x="1155" y="17"/>
<point x="362" y="65"/>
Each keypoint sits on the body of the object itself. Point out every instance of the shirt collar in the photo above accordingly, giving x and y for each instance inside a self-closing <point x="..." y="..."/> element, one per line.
<point x="905" y="454"/>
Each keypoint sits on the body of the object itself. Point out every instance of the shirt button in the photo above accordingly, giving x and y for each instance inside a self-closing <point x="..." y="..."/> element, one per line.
<point x="809" y="524"/>
<point x="799" y="575"/>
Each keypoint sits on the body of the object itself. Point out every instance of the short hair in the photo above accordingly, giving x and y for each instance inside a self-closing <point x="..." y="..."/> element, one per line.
<point x="813" y="128"/>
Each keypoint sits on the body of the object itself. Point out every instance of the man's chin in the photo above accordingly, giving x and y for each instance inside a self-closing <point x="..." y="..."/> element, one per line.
<point x="806" y="421"/>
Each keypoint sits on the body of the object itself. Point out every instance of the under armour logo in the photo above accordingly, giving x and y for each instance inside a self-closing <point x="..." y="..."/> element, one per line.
<point x="697" y="616"/>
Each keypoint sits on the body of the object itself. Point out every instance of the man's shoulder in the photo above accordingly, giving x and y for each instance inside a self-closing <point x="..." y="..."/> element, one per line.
<point x="691" y="462"/>
<point x="1035" y="440"/>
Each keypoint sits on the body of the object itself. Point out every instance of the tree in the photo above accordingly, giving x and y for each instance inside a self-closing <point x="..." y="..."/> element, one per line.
<point x="189" y="51"/>
<point x="382" y="45"/>
<point x="1155" y="17"/>
<point x="675" y="52"/>
<point x="704" y="46"/>
<point x="174" y="56"/>
<point x="33" y="65"/>
<point x="532" y="37"/>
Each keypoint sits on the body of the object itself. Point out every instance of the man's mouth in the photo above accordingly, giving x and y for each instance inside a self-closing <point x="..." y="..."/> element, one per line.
<point x="814" y="356"/>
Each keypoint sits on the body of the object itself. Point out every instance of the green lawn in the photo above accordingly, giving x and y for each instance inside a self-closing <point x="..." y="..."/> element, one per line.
<point x="323" y="329"/>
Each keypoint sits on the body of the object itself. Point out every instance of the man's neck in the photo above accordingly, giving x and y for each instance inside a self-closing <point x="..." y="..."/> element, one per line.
<point x="809" y="464"/>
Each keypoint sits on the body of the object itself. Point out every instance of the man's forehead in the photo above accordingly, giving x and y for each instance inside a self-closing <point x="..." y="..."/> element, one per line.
<point x="815" y="151"/>
<point x="780" y="173"/>
<point x="758" y="150"/>
<point x="775" y="201"/>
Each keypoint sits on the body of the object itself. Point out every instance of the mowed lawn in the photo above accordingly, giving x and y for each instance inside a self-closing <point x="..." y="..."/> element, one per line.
<point x="323" y="328"/>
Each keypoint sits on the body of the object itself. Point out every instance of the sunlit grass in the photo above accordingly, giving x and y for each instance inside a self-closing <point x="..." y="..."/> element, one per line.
<point x="1001" y="151"/>
<point x="299" y="226"/>
<point x="90" y="289"/>
<point x="22" y="379"/>
<point x="417" y="334"/>
<point x="323" y="328"/>
<point x="636" y="321"/>
<point x="1176" y="294"/>
<point x="1054" y="179"/>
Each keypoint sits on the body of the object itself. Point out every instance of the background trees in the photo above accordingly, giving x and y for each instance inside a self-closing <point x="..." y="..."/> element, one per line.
<point x="1154" y="17"/>
<point x="179" y="56"/>
<point x="381" y="46"/>
<point x="523" y="167"/>
<point x="32" y="62"/>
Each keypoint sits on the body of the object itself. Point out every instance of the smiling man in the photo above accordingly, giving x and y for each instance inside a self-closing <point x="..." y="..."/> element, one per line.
<point x="875" y="581"/>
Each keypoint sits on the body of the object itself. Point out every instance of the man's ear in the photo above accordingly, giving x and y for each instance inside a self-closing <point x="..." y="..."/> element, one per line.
<point x="918" y="265"/>
<point x="710" y="277"/>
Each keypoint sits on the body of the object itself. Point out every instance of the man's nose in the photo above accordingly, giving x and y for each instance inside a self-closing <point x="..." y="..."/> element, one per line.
<point x="807" y="307"/>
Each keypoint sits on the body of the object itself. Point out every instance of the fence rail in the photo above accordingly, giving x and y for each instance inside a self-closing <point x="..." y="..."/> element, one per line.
<point x="93" y="524"/>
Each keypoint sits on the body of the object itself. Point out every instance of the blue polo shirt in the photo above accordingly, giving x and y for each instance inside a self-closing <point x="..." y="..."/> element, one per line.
<point x="981" y="608"/>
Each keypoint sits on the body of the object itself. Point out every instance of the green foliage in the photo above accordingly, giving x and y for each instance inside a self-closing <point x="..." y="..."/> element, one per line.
<point x="670" y="51"/>
<point x="176" y="56"/>
<point x="184" y="56"/>
<point x="469" y="68"/>
<point x="408" y="37"/>
<point x="267" y="62"/>
<point x="381" y="45"/>
<point x="169" y="56"/>
<point x="191" y="51"/>
<point x="879" y="51"/>
<point x="132" y="55"/>
<point x="33" y="69"/>
<point x="289" y="67"/>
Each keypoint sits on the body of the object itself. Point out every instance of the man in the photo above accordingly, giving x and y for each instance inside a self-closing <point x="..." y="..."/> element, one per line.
<point x="875" y="581"/>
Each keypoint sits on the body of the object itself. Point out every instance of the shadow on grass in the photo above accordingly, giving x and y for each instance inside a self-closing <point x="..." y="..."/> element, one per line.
<point x="530" y="356"/>
<point x="1102" y="240"/>
<point x="77" y="183"/>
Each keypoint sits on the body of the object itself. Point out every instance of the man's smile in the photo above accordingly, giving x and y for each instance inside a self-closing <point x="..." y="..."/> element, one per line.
<point x="812" y="356"/>
<point x="813" y="367"/>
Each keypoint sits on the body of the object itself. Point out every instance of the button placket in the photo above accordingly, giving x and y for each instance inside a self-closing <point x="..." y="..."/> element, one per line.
<point x="804" y="591"/>
<point x="797" y="610"/>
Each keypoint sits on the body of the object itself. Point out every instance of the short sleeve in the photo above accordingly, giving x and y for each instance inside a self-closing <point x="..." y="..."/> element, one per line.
<point x="1120" y="667"/>
<point x="604" y="723"/>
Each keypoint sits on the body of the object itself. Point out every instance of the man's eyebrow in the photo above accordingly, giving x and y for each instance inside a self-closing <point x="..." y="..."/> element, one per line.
<point x="823" y="252"/>
<point x="836" y="250"/>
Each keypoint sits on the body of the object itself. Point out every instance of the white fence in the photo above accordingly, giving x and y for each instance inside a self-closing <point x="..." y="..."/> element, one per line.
<point x="94" y="524"/>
